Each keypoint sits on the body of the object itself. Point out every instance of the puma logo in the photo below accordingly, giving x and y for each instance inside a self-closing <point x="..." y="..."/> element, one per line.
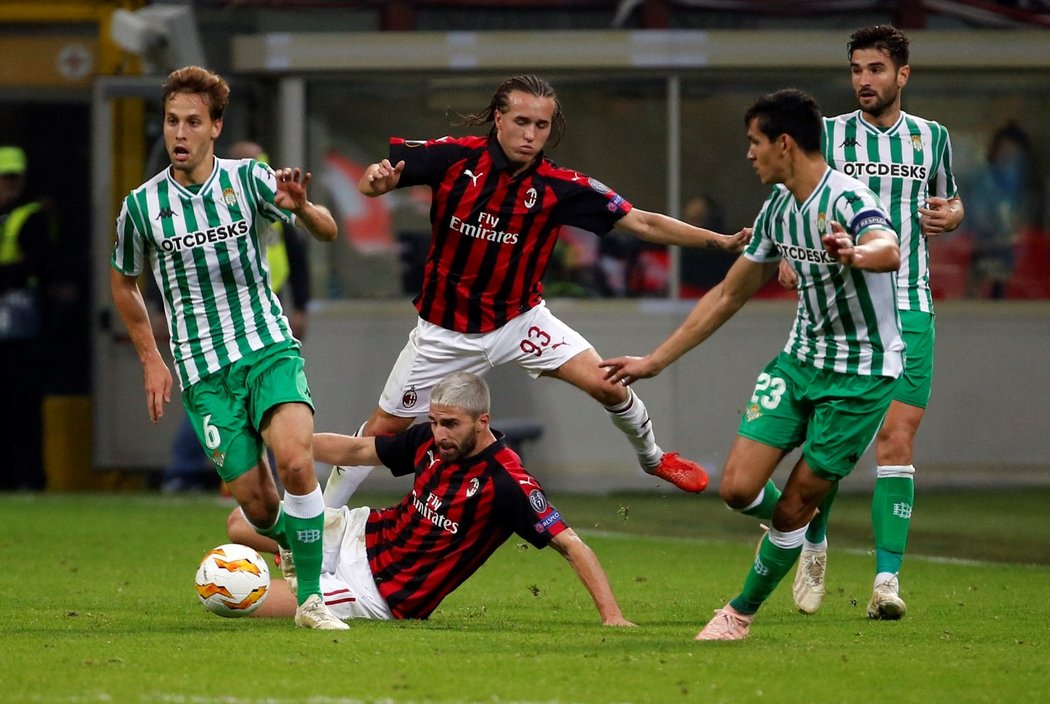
<point x="473" y="178"/>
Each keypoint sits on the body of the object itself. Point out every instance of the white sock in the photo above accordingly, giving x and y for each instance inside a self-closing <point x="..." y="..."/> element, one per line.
<point x="304" y="505"/>
<point x="343" y="481"/>
<point x="787" y="540"/>
<point x="632" y="419"/>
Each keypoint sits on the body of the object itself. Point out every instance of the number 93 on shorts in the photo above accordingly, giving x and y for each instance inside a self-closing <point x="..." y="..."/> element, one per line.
<point x="832" y="416"/>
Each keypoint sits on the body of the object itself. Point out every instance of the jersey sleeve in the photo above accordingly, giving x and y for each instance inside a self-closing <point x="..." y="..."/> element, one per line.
<point x="398" y="452"/>
<point x="525" y="507"/>
<point x="591" y="205"/>
<point x="264" y="184"/>
<point x="129" y="251"/>
<point x="943" y="183"/>
<point x="426" y="161"/>
<point x="860" y="211"/>
<point x="762" y="247"/>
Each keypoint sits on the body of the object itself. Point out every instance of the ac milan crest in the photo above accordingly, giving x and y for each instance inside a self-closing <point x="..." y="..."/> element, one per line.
<point x="409" y="398"/>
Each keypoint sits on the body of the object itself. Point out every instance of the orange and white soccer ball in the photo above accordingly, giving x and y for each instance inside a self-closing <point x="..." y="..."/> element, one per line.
<point x="233" y="580"/>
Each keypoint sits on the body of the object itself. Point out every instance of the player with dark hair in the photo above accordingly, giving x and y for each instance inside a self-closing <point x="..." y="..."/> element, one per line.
<point x="829" y="388"/>
<point x="470" y="493"/>
<point x="498" y="205"/>
<point x="907" y="161"/>
<point x="197" y="225"/>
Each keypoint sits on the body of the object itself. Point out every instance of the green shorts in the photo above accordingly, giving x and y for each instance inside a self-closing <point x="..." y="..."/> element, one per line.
<point x="919" y="334"/>
<point x="227" y="408"/>
<point x="833" y="416"/>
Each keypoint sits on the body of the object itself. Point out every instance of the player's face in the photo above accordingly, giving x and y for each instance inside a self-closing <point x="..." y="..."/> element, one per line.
<point x="766" y="156"/>
<point x="523" y="130"/>
<point x="456" y="433"/>
<point x="189" y="135"/>
<point x="876" y="82"/>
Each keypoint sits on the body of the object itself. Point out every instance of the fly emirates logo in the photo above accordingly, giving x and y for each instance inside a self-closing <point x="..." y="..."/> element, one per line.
<point x="487" y="228"/>
<point x="429" y="510"/>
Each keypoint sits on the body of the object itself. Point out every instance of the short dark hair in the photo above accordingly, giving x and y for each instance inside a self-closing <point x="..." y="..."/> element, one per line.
<point x="526" y="83"/>
<point x="197" y="80"/>
<point x="883" y="37"/>
<point x="789" y="111"/>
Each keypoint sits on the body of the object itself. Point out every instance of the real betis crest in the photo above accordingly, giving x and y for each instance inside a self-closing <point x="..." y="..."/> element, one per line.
<point x="916" y="142"/>
<point x="229" y="196"/>
<point x="822" y="223"/>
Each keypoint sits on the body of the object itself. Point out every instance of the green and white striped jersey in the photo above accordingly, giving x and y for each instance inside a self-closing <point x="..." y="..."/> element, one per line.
<point x="904" y="165"/>
<point x="847" y="319"/>
<point x="208" y="256"/>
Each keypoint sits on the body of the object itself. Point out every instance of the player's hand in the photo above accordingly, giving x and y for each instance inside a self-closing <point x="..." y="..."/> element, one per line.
<point x="839" y="244"/>
<point x="157" y="380"/>
<point x="936" y="216"/>
<point x="626" y="370"/>
<point x="385" y="176"/>
<point x="786" y="275"/>
<point x="735" y="243"/>
<point x="619" y="621"/>
<point x="291" y="189"/>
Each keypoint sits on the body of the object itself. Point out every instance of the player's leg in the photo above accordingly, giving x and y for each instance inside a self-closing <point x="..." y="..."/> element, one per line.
<point x="894" y="495"/>
<point x="746" y="487"/>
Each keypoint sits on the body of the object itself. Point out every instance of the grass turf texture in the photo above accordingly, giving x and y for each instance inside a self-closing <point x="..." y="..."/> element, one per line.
<point x="99" y="606"/>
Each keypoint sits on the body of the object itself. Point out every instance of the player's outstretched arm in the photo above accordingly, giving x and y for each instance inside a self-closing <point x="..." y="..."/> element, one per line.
<point x="127" y="298"/>
<point x="663" y="229"/>
<point x="345" y="450"/>
<point x="717" y="306"/>
<point x="585" y="563"/>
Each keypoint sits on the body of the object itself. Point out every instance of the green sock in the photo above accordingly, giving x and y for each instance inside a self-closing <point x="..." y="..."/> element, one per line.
<point x="768" y="569"/>
<point x="891" y="507"/>
<point x="276" y="531"/>
<point x="818" y="527"/>
<point x="305" y="537"/>
<point x="764" y="508"/>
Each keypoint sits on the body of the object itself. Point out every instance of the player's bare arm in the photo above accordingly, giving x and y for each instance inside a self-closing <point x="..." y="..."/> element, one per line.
<point x="345" y="450"/>
<point x="585" y="563"/>
<point x="717" y="306"/>
<point x="291" y="195"/>
<point x="381" y="178"/>
<point x="877" y="251"/>
<point x="157" y="380"/>
<point x="941" y="215"/>
<point x="663" y="229"/>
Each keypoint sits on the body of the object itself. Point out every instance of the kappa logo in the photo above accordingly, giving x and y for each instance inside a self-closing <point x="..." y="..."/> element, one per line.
<point x="473" y="178"/>
<point x="850" y="142"/>
<point x="166" y="213"/>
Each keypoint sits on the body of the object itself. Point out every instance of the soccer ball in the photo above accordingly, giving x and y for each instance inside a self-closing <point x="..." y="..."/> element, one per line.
<point x="233" y="580"/>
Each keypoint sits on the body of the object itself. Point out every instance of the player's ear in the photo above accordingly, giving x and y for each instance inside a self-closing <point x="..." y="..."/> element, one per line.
<point x="483" y="422"/>
<point x="902" y="75"/>
<point x="216" y="128"/>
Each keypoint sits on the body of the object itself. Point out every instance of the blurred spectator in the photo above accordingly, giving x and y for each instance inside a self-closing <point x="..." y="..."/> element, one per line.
<point x="27" y="230"/>
<point x="702" y="270"/>
<point x="575" y="270"/>
<point x="1003" y="205"/>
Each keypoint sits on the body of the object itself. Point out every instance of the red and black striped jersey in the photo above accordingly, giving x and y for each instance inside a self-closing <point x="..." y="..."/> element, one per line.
<point x="456" y="516"/>
<point x="494" y="232"/>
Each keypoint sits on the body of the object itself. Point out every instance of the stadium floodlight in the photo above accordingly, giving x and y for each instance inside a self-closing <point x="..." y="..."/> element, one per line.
<point x="164" y="36"/>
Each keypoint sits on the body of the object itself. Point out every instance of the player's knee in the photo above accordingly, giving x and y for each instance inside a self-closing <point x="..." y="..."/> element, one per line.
<point x="736" y="495"/>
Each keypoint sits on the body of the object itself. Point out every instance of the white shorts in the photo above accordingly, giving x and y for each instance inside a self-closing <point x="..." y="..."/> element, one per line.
<point x="347" y="585"/>
<point x="536" y="341"/>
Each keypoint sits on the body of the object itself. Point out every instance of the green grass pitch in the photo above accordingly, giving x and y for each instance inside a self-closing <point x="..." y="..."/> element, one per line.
<point x="98" y="606"/>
